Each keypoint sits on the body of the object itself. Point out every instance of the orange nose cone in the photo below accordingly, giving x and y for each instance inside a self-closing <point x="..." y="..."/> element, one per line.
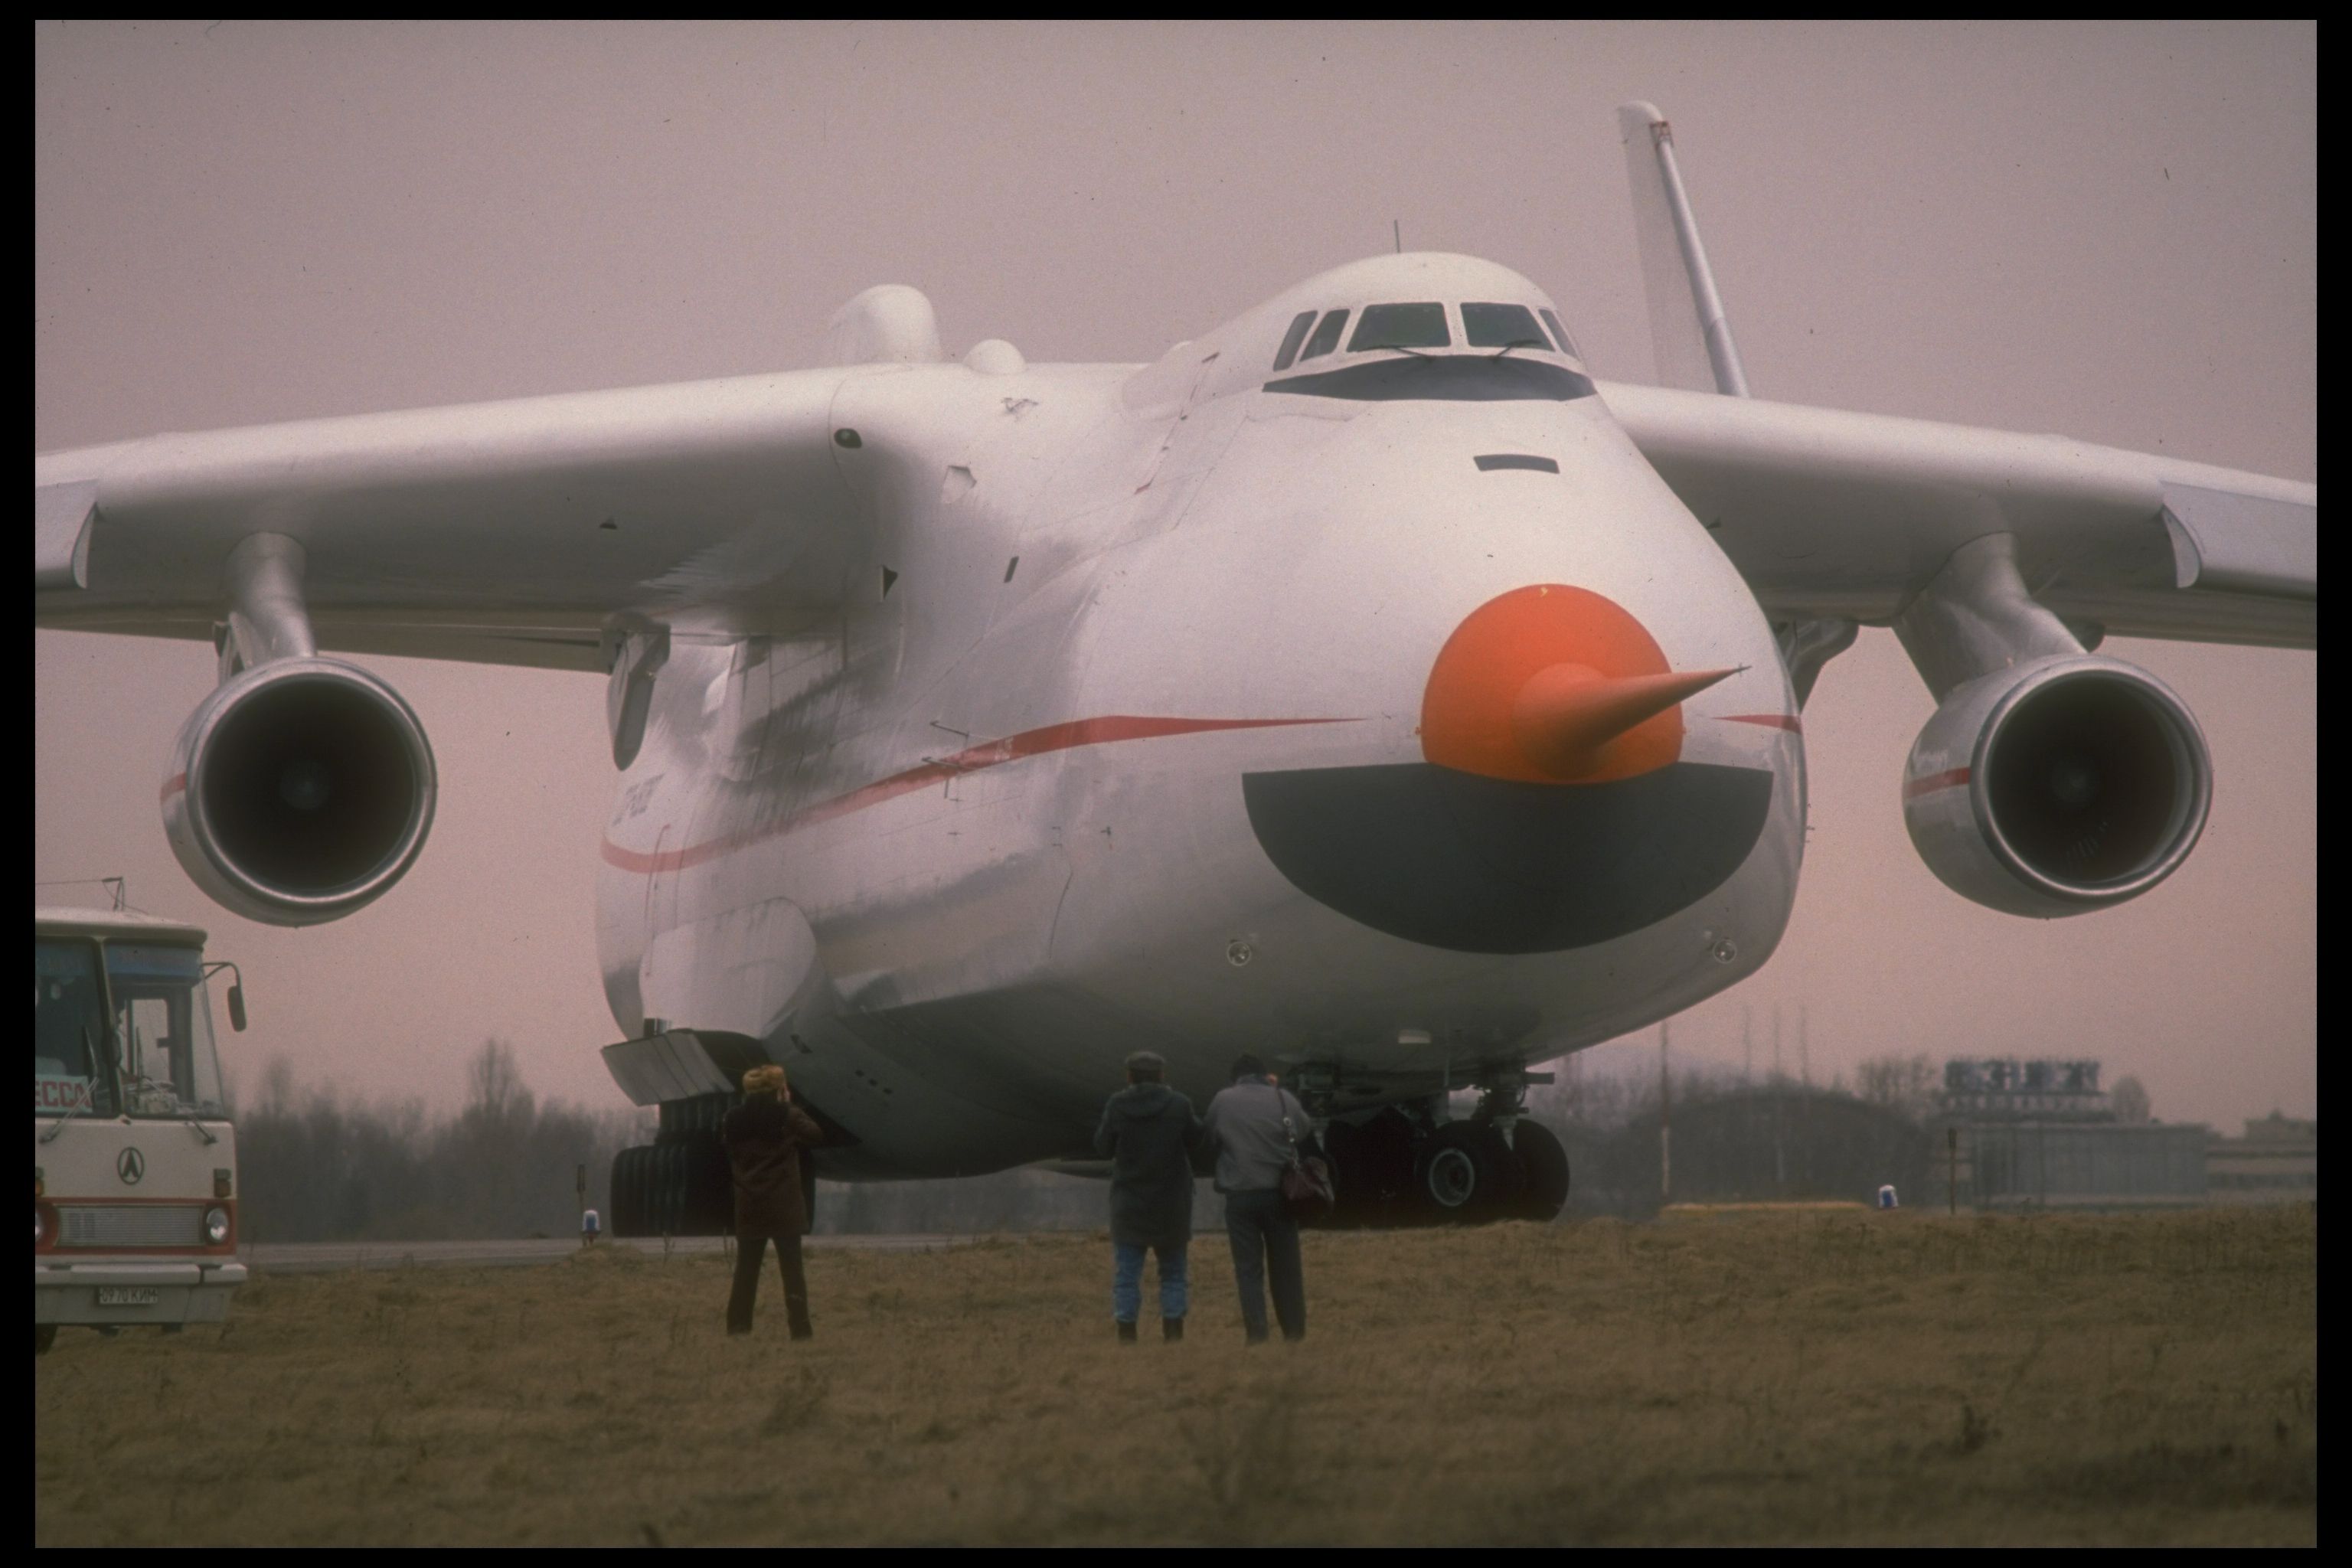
<point x="1551" y="684"/>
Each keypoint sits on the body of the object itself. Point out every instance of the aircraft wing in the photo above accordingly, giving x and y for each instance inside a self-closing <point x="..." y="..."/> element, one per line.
<point x="503" y="533"/>
<point x="1831" y="514"/>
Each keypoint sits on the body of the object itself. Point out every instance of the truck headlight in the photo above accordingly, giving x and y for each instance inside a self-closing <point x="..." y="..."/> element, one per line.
<point x="215" y="1225"/>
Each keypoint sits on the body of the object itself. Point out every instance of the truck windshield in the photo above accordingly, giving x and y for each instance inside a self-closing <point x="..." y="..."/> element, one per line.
<point x="68" y="1027"/>
<point x="163" y="1020"/>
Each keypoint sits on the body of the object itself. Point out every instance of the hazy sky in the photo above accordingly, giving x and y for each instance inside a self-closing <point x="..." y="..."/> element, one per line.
<point x="2104" y="231"/>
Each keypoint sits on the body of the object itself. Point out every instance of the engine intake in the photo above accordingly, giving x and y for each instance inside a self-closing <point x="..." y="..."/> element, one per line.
<point x="300" y="792"/>
<point x="2062" y="785"/>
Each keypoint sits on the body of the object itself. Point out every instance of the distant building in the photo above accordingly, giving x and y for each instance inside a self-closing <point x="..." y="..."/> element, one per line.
<point x="2276" y="1161"/>
<point x="1782" y="1143"/>
<point x="2042" y="1134"/>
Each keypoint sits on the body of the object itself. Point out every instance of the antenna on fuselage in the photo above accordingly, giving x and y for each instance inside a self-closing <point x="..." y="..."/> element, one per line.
<point x="1396" y="233"/>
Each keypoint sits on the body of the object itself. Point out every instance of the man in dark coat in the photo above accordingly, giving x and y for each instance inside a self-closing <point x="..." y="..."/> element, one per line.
<point x="764" y="1136"/>
<point x="1149" y="1129"/>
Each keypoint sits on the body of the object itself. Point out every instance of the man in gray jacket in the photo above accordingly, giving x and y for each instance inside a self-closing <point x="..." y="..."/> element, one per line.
<point x="1149" y="1129"/>
<point x="1245" y="1125"/>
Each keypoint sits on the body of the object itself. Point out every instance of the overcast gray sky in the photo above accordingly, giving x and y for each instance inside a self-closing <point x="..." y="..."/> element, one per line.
<point x="2104" y="231"/>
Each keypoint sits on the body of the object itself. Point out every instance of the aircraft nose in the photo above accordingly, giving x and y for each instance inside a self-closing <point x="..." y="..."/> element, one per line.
<point x="1553" y="684"/>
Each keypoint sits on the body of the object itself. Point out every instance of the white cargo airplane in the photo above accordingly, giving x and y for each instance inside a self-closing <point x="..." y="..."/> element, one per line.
<point x="1361" y="683"/>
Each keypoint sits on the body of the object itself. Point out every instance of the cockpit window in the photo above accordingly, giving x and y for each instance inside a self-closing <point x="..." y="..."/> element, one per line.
<point x="1567" y="343"/>
<point x="1401" y="326"/>
<point x="1293" y="337"/>
<point x="1502" y="327"/>
<point x="1327" y="336"/>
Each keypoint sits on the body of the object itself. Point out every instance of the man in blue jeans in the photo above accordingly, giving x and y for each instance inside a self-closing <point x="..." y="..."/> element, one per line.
<point x="1256" y="1127"/>
<point x="1149" y="1129"/>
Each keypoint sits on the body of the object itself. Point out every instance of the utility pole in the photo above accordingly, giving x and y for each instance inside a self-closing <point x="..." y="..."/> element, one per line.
<point x="1780" y="1113"/>
<point x="1666" y="1124"/>
<point x="1805" y="1103"/>
<point x="1952" y="1170"/>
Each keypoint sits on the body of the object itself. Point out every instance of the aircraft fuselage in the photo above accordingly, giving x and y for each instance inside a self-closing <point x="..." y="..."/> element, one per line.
<point x="1121" y="746"/>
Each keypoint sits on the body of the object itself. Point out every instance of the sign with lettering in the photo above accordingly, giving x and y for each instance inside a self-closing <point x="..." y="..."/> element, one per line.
<point x="2062" y="1091"/>
<point x="59" y="1091"/>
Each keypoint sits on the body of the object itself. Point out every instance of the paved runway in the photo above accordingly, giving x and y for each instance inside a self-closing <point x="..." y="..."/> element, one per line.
<point x="328" y="1257"/>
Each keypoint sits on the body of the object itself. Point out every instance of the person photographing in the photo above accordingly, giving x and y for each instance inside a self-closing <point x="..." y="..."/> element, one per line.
<point x="764" y="1136"/>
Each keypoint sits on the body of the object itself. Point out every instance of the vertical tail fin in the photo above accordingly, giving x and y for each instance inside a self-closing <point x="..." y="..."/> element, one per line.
<point x="1687" y="322"/>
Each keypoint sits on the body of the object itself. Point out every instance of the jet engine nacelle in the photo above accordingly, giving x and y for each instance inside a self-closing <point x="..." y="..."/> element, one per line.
<point x="299" y="790"/>
<point x="2051" y="788"/>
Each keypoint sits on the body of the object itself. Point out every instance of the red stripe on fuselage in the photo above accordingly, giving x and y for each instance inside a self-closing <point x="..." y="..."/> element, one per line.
<point x="1928" y="783"/>
<point x="995" y="754"/>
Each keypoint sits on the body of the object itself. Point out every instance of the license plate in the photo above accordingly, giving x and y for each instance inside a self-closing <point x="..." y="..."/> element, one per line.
<point x="128" y="1295"/>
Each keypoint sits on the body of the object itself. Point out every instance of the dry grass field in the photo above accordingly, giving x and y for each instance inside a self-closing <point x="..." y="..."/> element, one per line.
<point x="1772" y="1378"/>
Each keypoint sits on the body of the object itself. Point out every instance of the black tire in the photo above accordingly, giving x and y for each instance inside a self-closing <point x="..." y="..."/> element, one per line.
<point x="1339" y="1150"/>
<point x="630" y="1191"/>
<point x="1502" y="1199"/>
<point x="1372" y="1169"/>
<point x="709" y="1209"/>
<point x="44" y="1336"/>
<point x="1545" y="1161"/>
<point x="648" y="1194"/>
<point x="1463" y="1174"/>
<point x="669" y="1188"/>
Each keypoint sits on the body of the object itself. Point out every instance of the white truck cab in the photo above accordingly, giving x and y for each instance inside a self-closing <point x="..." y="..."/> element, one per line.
<point x="134" y="1160"/>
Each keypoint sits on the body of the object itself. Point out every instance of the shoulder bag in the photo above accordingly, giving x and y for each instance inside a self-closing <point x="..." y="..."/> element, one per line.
<point x="1305" y="1180"/>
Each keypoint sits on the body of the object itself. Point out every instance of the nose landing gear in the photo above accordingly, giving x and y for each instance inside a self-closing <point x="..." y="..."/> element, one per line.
<point x="679" y="1185"/>
<point x="1543" y="1190"/>
<point x="1405" y="1166"/>
<point x="1467" y="1173"/>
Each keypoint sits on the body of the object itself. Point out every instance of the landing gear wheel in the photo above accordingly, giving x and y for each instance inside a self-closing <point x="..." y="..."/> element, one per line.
<point x="1374" y="1169"/>
<point x="1545" y="1161"/>
<point x="669" y="1188"/>
<point x="1501" y="1199"/>
<point x="632" y="1197"/>
<point x="709" y="1187"/>
<point x="1464" y="1174"/>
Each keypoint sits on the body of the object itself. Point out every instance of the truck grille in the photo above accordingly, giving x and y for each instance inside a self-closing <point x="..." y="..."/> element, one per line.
<point x="131" y="1224"/>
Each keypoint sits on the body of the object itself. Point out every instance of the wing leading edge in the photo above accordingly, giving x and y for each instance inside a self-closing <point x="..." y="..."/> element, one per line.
<point x="1831" y="514"/>
<point x="502" y="534"/>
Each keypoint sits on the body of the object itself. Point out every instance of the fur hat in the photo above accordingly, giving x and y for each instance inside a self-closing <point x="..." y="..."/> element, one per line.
<point x="1148" y="1067"/>
<point x="768" y="1080"/>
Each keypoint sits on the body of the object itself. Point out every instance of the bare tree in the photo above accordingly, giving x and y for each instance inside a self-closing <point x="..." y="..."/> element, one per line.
<point x="277" y="1088"/>
<point x="1904" y="1085"/>
<point x="317" y="1168"/>
<point x="2129" y="1100"/>
<point x="496" y="1094"/>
